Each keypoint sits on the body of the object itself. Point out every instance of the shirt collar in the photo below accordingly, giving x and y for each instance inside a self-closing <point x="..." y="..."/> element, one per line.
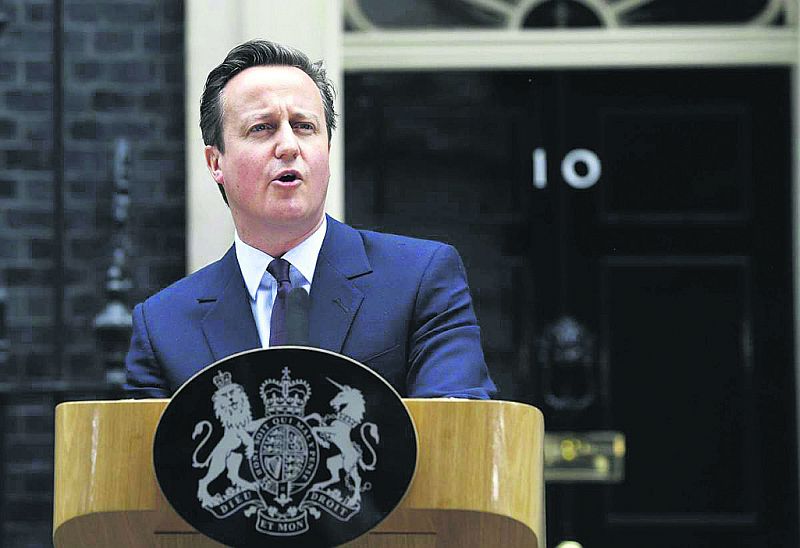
<point x="303" y="257"/>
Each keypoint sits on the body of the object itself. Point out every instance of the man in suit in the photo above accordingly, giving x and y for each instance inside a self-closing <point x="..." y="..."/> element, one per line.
<point x="399" y="305"/>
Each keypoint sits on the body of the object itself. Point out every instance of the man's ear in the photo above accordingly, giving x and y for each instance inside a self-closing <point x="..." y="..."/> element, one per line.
<point x="212" y="163"/>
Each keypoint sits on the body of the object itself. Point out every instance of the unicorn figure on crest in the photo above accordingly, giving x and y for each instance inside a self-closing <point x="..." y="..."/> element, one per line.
<point x="349" y="406"/>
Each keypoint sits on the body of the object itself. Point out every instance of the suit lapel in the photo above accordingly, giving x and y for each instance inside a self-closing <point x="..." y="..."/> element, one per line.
<point x="228" y="326"/>
<point x="335" y="299"/>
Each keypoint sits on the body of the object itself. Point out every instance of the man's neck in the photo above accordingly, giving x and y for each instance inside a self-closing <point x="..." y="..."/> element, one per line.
<point x="276" y="242"/>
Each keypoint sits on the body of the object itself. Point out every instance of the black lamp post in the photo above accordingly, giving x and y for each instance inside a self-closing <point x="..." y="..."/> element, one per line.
<point x="113" y="324"/>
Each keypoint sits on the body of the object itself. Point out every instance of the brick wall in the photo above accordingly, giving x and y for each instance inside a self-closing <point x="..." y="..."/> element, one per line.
<point x="122" y="78"/>
<point x="26" y="185"/>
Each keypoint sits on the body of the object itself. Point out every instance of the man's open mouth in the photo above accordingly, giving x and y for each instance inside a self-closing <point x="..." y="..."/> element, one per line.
<point x="288" y="177"/>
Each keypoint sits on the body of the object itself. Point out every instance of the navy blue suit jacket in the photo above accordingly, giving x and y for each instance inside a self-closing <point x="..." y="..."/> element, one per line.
<point x="399" y="305"/>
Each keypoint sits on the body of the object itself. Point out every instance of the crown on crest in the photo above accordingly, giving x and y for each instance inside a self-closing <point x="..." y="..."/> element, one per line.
<point x="222" y="379"/>
<point x="285" y="397"/>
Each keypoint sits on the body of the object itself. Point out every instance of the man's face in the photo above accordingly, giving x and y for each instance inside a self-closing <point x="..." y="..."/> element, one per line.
<point x="275" y="166"/>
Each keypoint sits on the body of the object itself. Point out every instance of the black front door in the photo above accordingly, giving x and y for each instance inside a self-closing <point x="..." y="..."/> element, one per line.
<point x="627" y="236"/>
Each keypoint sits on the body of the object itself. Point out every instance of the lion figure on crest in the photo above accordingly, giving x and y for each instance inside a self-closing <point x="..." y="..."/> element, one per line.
<point x="232" y="408"/>
<point x="349" y="406"/>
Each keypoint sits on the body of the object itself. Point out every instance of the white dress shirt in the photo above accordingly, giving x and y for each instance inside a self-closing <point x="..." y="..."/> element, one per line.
<point x="262" y="287"/>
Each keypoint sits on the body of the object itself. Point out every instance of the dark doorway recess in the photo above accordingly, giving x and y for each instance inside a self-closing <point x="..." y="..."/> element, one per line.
<point x="670" y="268"/>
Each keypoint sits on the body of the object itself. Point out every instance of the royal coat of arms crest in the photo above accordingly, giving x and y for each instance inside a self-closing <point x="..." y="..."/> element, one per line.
<point x="270" y="463"/>
<point x="286" y="446"/>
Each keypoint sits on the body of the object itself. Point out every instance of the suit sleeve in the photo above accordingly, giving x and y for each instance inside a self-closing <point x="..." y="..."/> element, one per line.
<point x="144" y="374"/>
<point x="446" y="359"/>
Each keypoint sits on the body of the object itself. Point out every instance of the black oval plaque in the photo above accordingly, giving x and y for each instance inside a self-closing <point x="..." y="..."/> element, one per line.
<point x="286" y="446"/>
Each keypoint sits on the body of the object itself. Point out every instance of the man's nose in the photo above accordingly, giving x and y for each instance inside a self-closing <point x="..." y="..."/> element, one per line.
<point x="287" y="145"/>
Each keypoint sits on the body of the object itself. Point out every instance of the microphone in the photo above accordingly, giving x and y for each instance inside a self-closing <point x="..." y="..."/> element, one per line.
<point x="297" y="305"/>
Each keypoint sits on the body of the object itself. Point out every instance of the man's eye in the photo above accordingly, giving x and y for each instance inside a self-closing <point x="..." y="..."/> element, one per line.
<point x="258" y="127"/>
<point x="305" y="126"/>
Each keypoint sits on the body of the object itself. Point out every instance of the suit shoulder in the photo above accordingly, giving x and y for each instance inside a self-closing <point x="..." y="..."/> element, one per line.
<point x="401" y="245"/>
<point x="197" y="284"/>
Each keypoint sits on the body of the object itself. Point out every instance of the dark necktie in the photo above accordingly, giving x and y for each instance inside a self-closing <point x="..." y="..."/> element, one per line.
<point x="279" y="268"/>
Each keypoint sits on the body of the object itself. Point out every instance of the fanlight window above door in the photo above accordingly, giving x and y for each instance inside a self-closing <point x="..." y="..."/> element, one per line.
<point x="371" y="15"/>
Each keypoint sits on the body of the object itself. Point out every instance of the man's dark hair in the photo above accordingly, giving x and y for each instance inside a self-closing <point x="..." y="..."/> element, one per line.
<point x="252" y="54"/>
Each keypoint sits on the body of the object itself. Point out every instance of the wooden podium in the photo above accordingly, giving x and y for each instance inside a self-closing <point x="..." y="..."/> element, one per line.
<point x="478" y="482"/>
